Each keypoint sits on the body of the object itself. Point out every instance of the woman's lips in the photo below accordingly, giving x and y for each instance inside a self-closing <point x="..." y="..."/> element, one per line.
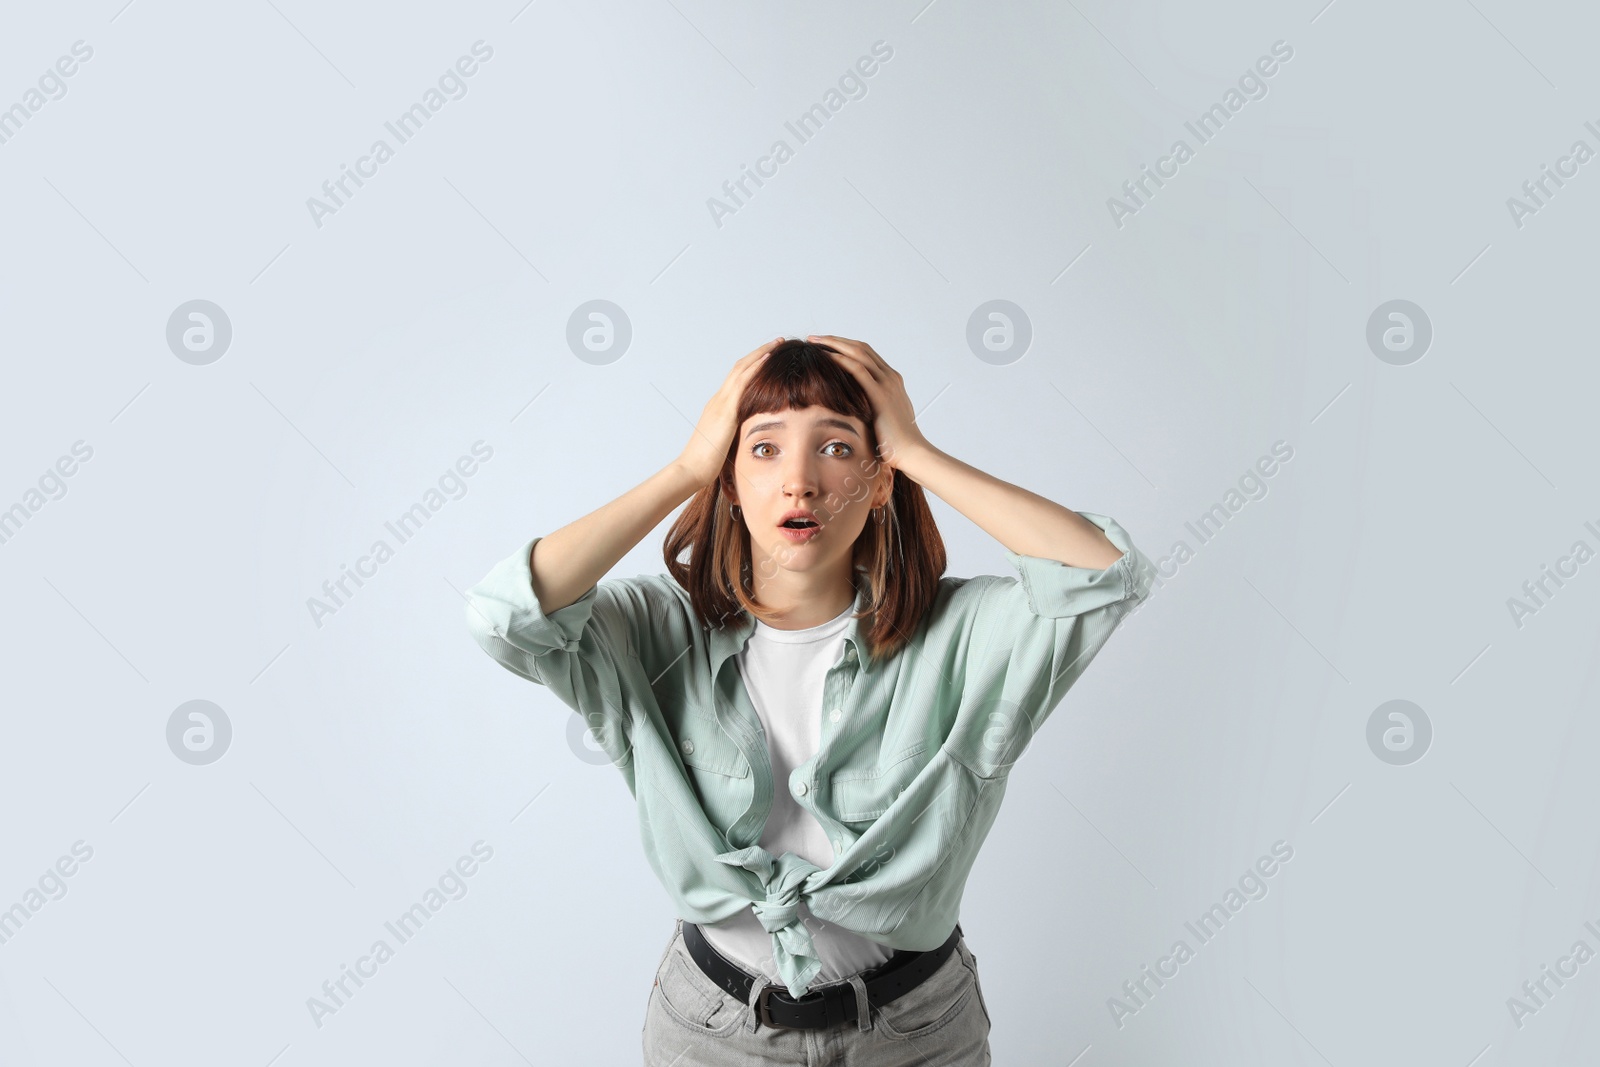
<point x="800" y="536"/>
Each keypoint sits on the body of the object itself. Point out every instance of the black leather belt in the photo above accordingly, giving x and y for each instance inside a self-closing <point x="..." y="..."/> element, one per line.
<point x="822" y="1006"/>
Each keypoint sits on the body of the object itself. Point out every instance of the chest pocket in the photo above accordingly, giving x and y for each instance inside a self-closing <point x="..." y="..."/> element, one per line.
<point x="863" y="796"/>
<point x="718" y="772"/>
<point x="704" y="747"/>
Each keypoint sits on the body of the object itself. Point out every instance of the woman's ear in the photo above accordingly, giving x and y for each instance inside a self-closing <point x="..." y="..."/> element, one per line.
<point x="884" y="495"/>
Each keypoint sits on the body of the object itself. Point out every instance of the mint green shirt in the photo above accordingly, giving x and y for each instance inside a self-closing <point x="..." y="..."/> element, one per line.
<point x="913" y="759"/>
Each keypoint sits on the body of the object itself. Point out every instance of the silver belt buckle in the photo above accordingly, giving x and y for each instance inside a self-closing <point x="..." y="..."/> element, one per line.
<point x="764" y="1013"/>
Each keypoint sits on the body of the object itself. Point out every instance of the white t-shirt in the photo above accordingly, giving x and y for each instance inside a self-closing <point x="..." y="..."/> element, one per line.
<point x="784" y="671"/>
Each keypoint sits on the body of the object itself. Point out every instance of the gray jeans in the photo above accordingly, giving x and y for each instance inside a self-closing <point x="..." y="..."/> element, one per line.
<point x="692" y="1022"/>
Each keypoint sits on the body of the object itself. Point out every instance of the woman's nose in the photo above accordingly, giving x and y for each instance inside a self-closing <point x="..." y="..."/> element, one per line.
<point x="799" y="481"/>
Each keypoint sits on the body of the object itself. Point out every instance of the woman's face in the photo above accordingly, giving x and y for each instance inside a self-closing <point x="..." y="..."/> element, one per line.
<point x="812" y="460"/>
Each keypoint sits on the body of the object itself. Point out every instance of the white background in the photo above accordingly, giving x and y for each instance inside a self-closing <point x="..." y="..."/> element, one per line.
<point x="430" y="312"/>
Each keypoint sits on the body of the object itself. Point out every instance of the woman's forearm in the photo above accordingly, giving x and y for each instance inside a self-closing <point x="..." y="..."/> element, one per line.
<point x="1024" y="522"/>
<point x="569" y="561"/>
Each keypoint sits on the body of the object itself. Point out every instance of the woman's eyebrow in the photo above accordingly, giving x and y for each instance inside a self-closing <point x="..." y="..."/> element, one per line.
<point x="774" y="424"/>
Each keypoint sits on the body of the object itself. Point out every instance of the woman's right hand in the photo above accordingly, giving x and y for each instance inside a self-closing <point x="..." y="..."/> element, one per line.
<point x="703" y="456"/>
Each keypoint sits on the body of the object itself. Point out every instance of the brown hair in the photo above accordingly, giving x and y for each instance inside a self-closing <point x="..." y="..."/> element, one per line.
<point x="901" y="559"/>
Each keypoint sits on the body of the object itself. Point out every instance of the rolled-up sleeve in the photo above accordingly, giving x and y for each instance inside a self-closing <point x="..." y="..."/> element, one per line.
<point x="584" y="652"/>
<point x="1031" y="637"/>
<point x="1055" y="590"/>
<point x="505" y="619"/>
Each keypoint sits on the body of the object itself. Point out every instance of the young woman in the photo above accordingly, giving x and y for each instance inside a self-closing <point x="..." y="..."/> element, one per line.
<point x="817" y="726"/>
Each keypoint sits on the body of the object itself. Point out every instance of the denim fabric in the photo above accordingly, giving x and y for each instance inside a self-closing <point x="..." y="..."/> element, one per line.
<point x="691" y="1022"/>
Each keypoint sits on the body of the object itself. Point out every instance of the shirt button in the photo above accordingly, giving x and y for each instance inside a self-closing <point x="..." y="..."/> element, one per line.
<point x="802" y="789"/>
<point x="833" y="716"/>
<point x="850" y="654"/>
<point x="688" y="746"/>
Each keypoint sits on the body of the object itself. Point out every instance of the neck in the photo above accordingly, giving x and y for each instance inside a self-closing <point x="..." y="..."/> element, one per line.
<point x="800" y="601"/>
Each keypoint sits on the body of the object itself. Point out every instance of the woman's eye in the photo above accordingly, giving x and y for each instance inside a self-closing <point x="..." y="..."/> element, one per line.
<point x="755" y="449"/>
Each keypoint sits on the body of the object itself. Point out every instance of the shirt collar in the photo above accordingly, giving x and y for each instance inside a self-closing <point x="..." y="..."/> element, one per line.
<point x="731" y="639"/>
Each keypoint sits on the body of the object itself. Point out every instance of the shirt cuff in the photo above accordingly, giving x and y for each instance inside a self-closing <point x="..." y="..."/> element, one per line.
<point x="1056" y="590"/>
<point x="503" y="605"/>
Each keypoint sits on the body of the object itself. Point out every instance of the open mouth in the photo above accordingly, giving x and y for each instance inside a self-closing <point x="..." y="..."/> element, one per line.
<point x="800" y="528"/>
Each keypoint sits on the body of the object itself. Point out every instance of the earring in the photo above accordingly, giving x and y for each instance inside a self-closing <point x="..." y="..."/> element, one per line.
<point x="733" y="511"/>
<point x="878" y="514"/>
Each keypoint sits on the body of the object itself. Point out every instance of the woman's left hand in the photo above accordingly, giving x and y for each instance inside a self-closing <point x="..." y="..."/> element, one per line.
<point x="896" y="422"/>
